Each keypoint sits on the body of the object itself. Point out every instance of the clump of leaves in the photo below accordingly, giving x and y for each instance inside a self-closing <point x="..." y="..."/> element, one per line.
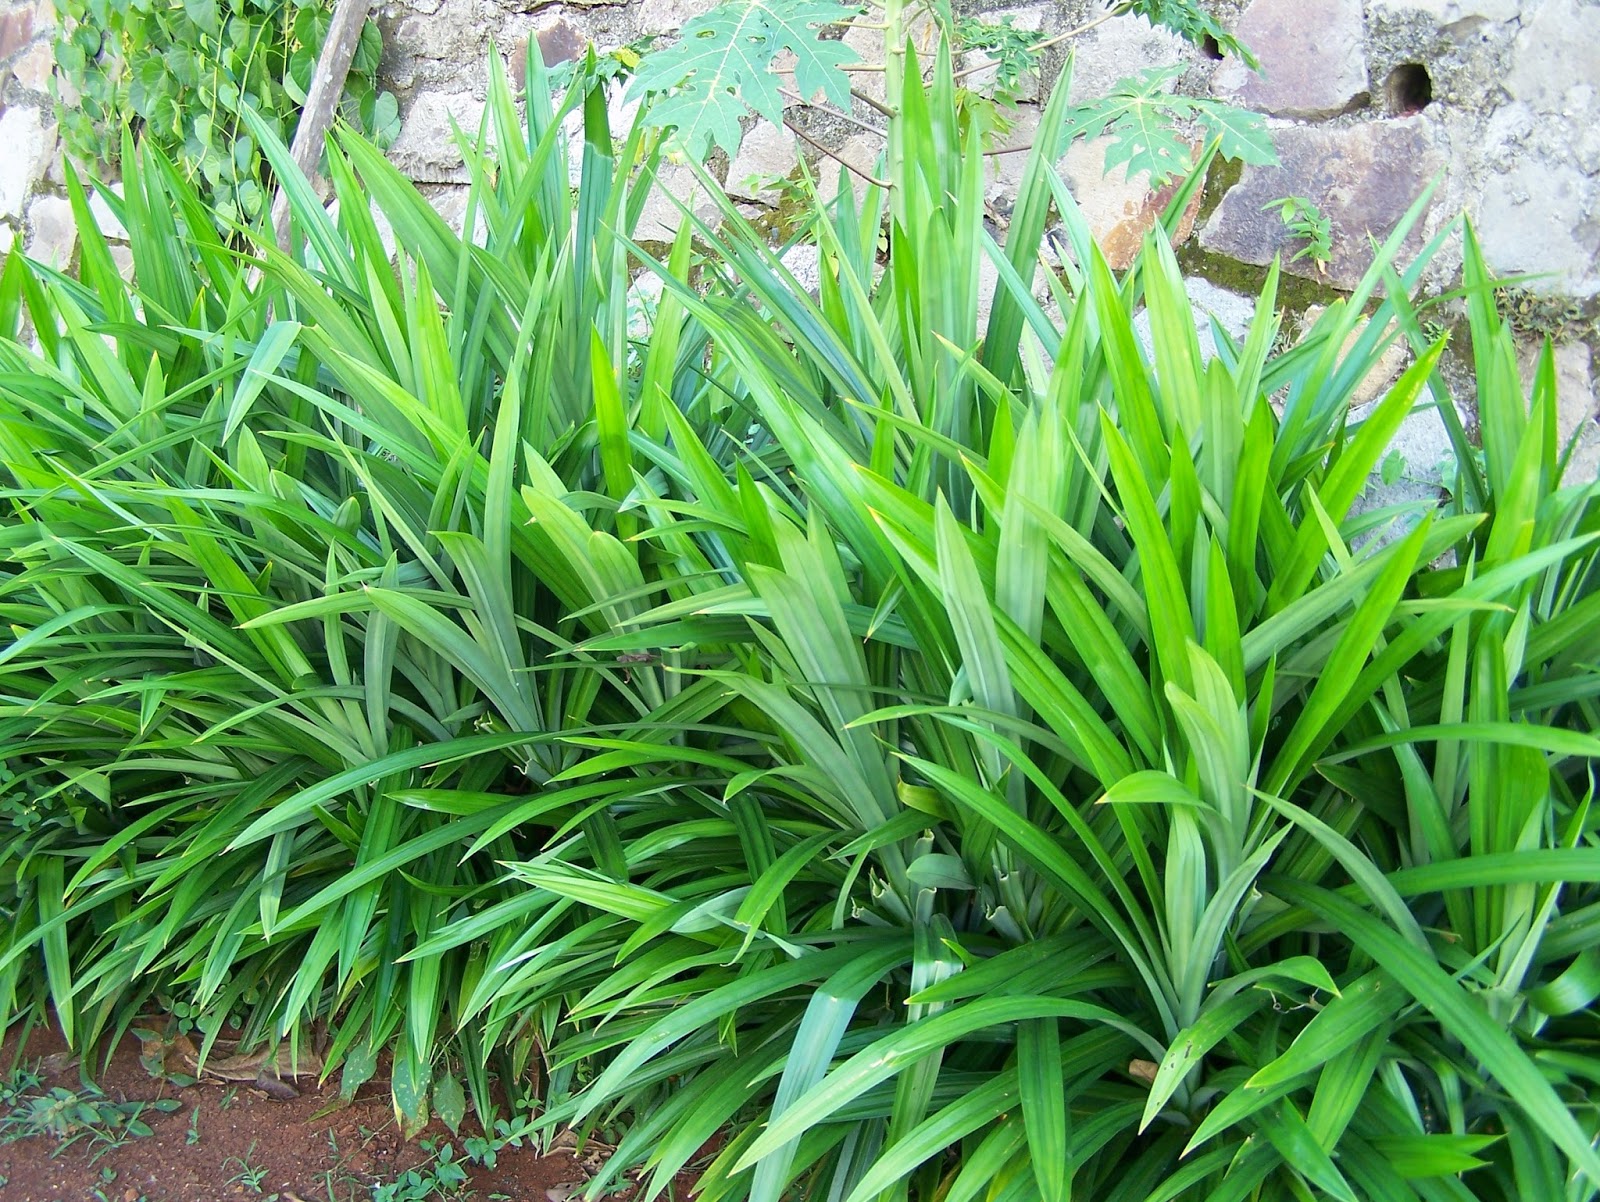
<point x="71" y="1117"/>
<point x="1013" y="50"/>
<point x="1145" y="121"/>
<point x="1306" y="222"/>
<point x="180" y="74"/>
<point x="721" y="67"/>
<point x="617" y="64"/>
<point x="1190" y="22"/>
<point x="1533" y="314"/>
<point x="440" y="1176"/>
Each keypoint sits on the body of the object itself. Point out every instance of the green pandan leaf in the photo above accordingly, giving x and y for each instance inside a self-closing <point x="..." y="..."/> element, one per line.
<point x="721" y="67"/>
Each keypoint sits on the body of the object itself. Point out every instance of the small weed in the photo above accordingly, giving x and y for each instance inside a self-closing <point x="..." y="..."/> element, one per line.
<point x="22" y="1080"/>
<point x="1306" y="222"/>
<point x="70" y="1117"/>
<point x="1393" y="469"/>
<point x="440" y="1177"/>
<point x="340" y="1184"/>
<point x="250" y="1176"/>
<point x="1012" y="50"/>
<point x="108" y="1177"/>
<point x="193" y="1136"/>
<point x="228" y="1096"/>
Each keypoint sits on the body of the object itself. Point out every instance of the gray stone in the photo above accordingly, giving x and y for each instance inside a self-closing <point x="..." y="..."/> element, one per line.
<point x="1578" y="411"/>
<point x="863" y="153"/>
<point x="669" y="16"/>
<point x="104" y="219"/>
<point x="988" y="288"/>
<point x="1122" y="47"/>
<point x="450" y="202"/>
<point x="921" y="29"/>
<point x="644" y="299"/>
<point x="123" y="258"/>
<point x="1120" y="209"/>
<point x="52" y="232"/>
<point x="1557" y="51"/>
<point x="1312" y="65"/>
<point x="1422" y="440"/>
<point x="16" y="30"/>
<point x="1449" y="12"/>
<point x="1006" y="169"/>
<point x="663" y="213"/>
<point x="804" y="262"/>
<point x="22" y="134"/>
<point x="1233" y="312"/>
<point x="559" y="41"/>
<point x="1540" y="217"/>
<point x="1363" y="178"/>
<point x="445" y="51"/>
<point x="1425" y="452"/>
<point x="768" y="153"/>
<point x="1586" y="150"/>
<point x="868" y="47"/>
<point x="426" y="149"/>
<point x="34" y="68"/>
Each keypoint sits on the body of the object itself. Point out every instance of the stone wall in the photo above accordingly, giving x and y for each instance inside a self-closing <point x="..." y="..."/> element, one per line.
<point x="1496" y="102"/>
<point x="32" y="213"/>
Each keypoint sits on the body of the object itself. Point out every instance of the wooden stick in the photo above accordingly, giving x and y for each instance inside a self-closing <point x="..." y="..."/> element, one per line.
<point x="327" y="86"/>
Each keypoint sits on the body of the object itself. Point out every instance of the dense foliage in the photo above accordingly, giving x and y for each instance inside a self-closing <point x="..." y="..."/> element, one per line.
<point x="736" y="58"/>
<point x="948" y="744"/>
<point x="181" y="74"/>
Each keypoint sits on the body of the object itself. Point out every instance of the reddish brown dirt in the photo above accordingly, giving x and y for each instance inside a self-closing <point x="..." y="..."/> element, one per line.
<point x="312" y="1148"/>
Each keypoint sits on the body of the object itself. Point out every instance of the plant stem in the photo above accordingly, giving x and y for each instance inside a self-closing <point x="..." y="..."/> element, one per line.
<point x="873" y="103"/>
<point x="845" y="163"/>
<point x="832" y="112"/>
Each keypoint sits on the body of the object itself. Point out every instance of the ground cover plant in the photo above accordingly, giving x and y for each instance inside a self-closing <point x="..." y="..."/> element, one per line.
<point x="948" y="756"/>
<point x="182" y="73"/>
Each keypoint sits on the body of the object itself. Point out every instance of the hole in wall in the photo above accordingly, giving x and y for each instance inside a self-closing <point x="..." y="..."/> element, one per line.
<point x="1211" y="48"/>
<point x="1409" y="89"/>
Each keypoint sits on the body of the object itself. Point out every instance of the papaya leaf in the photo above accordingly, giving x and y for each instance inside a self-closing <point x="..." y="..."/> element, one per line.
<point x="721" y="67"/>
<point x="1142" y="119"/>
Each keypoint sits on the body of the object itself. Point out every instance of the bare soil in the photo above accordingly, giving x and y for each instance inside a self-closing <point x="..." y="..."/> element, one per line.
<point x="235" y="1142"/>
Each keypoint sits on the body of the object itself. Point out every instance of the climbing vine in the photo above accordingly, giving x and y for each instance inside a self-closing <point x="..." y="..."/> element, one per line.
<point x="179" y="75"/>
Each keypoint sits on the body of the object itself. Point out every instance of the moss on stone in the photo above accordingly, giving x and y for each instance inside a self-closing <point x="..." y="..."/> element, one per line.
<point x="1224" y="173"/>
<point x="1295" y="293"/>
